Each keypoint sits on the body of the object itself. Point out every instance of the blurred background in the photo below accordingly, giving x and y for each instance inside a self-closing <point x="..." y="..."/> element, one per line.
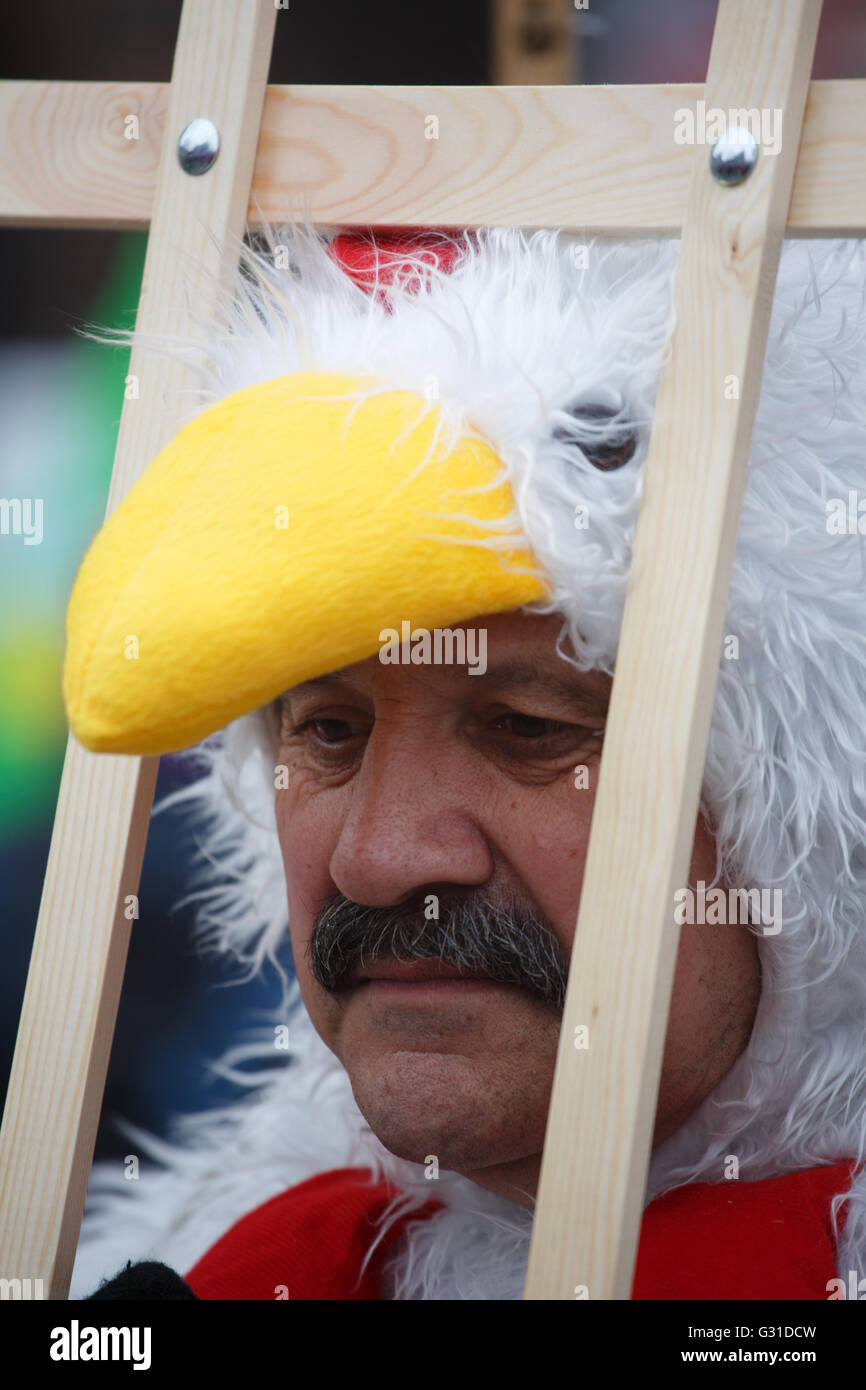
<point x="60" y="404"/>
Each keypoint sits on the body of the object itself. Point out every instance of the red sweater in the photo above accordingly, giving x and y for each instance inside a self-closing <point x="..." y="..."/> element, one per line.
<point x="730" y="1240"/>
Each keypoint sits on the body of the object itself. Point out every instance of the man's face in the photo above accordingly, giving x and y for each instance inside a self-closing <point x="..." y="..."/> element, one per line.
<point x="413" y="783"/>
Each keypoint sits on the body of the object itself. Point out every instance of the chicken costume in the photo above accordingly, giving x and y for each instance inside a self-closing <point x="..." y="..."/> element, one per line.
<point x="456" y="423"/>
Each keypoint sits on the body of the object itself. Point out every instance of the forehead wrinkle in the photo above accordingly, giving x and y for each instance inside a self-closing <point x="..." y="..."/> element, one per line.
<point x="335" y="678"/>
<point x="523" y="673"/>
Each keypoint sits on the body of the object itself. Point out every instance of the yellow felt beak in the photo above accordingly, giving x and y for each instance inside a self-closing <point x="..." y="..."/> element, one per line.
<point x="270" y="542"/>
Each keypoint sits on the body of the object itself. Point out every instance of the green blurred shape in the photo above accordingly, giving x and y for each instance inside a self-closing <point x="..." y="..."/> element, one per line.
<point x="37" y="580"/>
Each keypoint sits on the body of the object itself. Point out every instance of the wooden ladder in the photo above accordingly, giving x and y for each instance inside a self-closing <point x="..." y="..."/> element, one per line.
<point x="618" y="172"/>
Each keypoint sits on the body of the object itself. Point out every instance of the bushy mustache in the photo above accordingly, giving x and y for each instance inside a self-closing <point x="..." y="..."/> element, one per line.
<point x="502" y="940"/>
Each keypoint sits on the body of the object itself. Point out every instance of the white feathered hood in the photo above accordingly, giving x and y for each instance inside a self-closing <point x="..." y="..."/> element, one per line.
<point x="518" y="335"/>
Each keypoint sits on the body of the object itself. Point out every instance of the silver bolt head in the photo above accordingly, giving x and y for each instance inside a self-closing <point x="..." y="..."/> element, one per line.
<point x="733" y="156"/>
<point x="198" y="146"/>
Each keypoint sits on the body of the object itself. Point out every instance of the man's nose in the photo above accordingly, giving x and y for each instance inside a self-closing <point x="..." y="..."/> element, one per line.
<point x="412" y="820"/>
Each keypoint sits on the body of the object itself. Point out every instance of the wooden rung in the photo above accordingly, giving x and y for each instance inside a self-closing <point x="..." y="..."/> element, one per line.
<point x="600" y="160"/>
<point x="97" y="843"/>
<point x="599" y="1129"/>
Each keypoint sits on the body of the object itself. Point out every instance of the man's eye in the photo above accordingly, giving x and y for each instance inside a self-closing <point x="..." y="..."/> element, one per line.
<point x="330" y="732"/>
<point x="533" y="737"/>
<point x="548" y="737"/>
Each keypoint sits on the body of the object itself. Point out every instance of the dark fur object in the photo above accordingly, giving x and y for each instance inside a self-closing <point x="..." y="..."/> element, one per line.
<point x="148" y="1279"/>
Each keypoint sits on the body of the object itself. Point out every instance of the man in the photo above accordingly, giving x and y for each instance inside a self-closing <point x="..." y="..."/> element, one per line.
<point x="407" y="782"/>
<point x="425" y="820"/>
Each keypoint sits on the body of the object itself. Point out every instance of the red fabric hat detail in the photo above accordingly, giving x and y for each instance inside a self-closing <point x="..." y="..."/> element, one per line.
<point x="376" y="254"/>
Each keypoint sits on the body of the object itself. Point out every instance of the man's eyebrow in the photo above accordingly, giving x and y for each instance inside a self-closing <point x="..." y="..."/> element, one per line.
<point x="512" y="671"/>
<point x="569" y="684"/>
